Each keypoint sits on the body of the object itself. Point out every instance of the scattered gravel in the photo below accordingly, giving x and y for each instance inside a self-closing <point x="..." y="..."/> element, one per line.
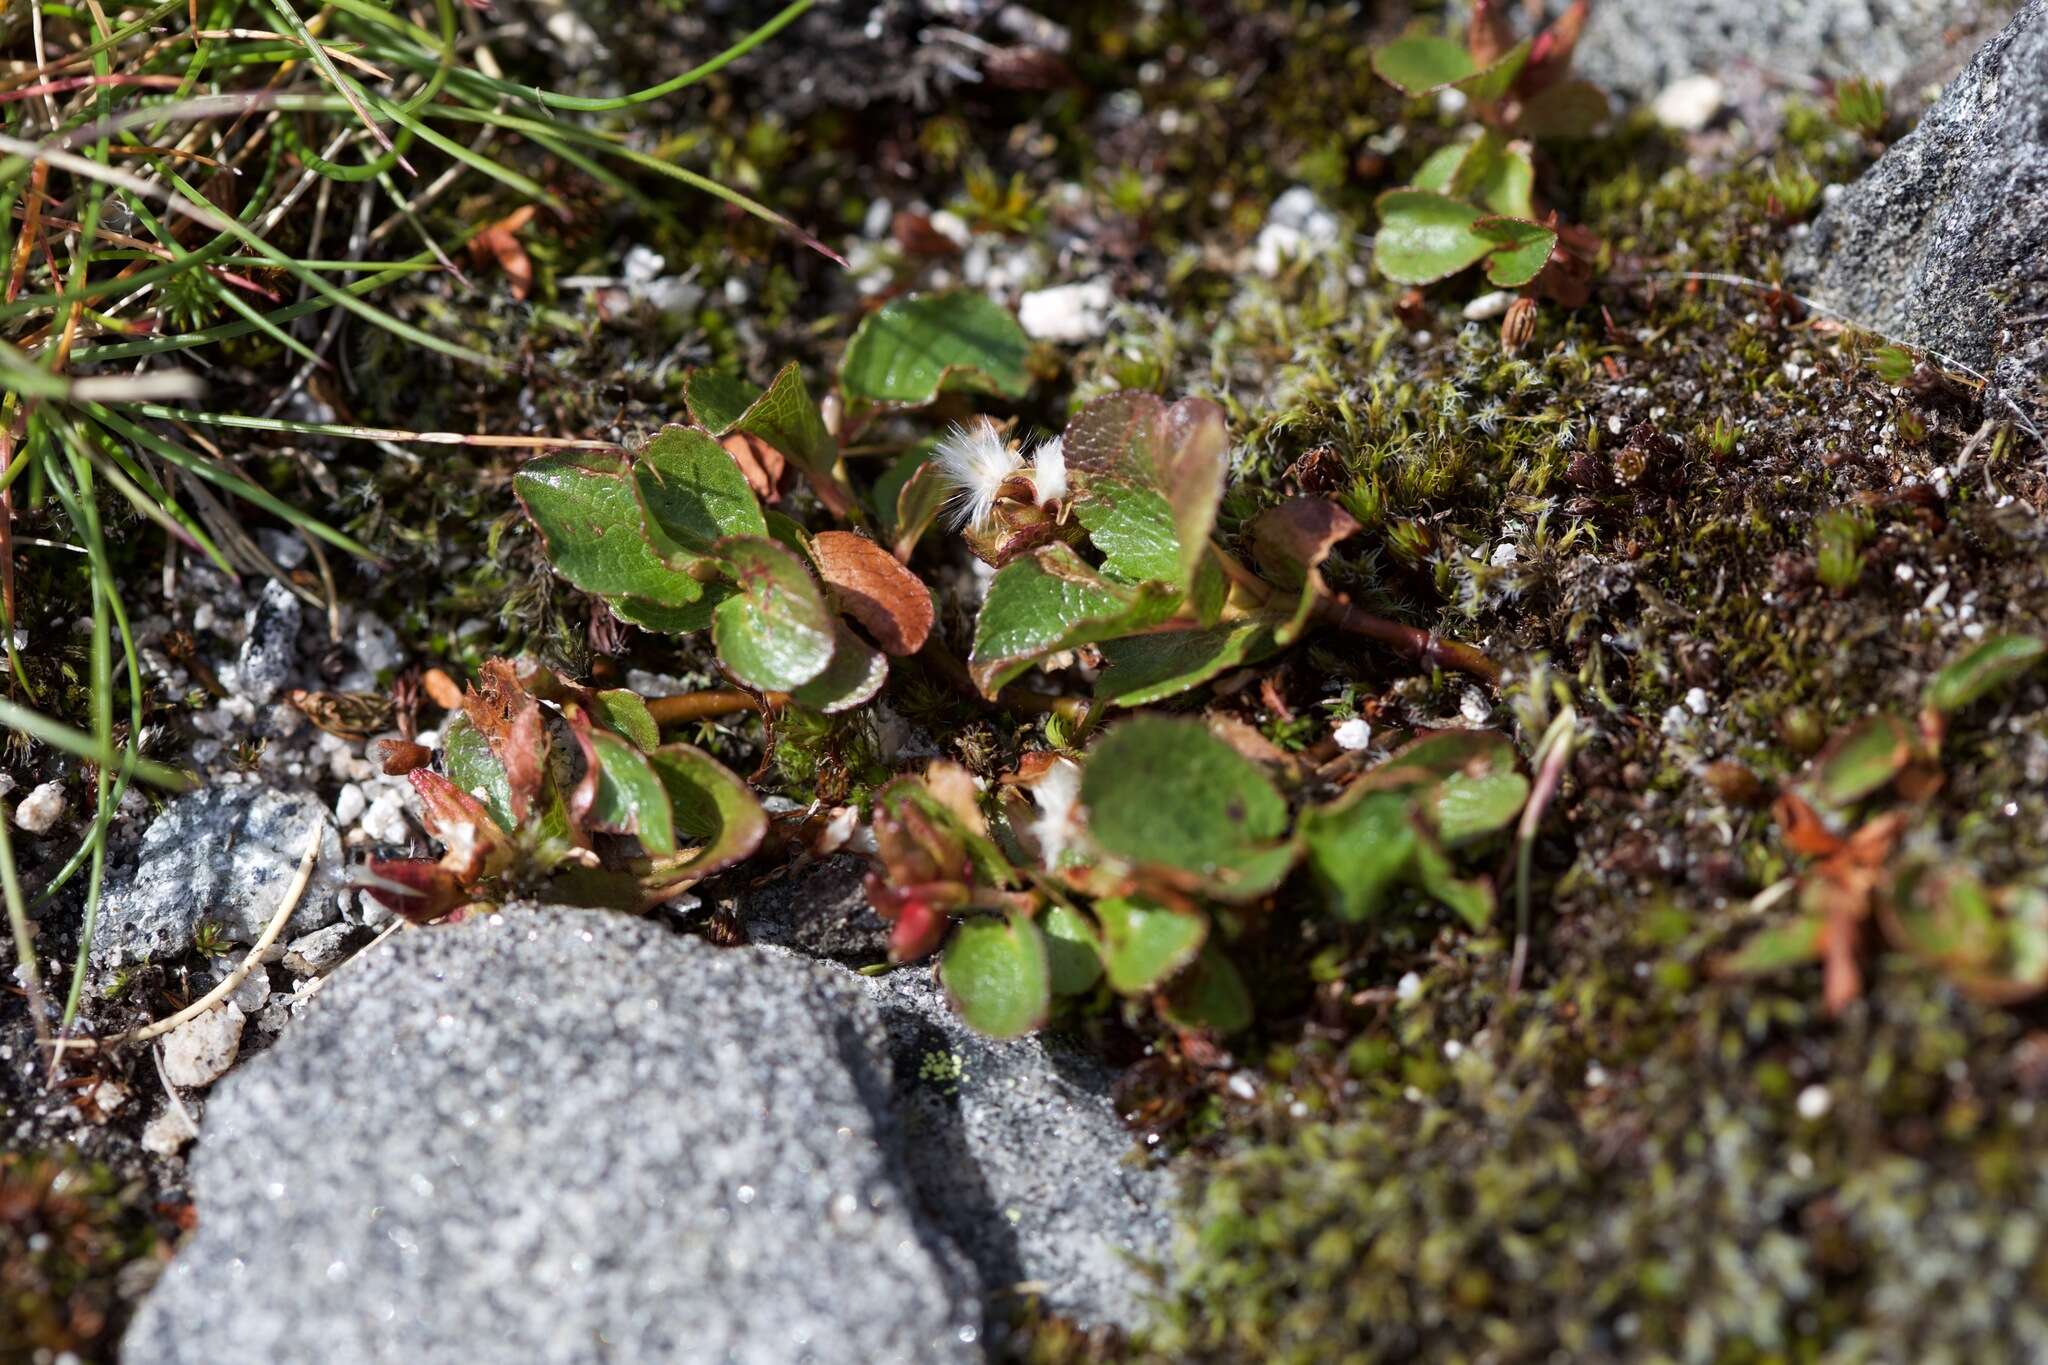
<point x="199" y="1051"/>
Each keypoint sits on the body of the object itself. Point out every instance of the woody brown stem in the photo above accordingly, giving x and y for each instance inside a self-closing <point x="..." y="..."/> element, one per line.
<point x="1421" y="645"/>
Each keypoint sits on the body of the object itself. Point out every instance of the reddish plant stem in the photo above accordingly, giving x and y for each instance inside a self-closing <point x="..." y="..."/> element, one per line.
<point x="1418" y="644"/>
<point x="688" y="706"/>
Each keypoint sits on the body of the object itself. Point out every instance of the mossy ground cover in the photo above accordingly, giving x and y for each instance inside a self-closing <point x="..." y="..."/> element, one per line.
<point x="1708" y="520"/>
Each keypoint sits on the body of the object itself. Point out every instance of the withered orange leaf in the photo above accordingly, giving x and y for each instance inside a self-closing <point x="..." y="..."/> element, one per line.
<point x="890" y="601"/>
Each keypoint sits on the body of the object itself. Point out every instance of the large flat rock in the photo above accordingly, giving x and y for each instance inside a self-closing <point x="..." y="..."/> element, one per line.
<point x="549" y="1136"/>
<point x="1944" y="242"/>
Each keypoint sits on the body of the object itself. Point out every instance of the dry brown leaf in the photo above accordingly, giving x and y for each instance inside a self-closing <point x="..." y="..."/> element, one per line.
<point x="760" y="462"/>
<point x="500" y="243"/>
<point x="890" y="601"/>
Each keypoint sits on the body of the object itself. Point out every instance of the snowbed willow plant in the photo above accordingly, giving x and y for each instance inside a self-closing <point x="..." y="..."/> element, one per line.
<point x="1076" y="877"/>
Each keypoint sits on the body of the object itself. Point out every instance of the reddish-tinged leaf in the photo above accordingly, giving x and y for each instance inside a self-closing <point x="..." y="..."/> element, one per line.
<point x="1180" y="452"/>
<point x="581" y="798"/>
<point x="1841" y="976"/>
<point x="868" y="584"/>
<point x="401" y="756"/>
<point x="1804" y="833"/>
<point x="524" y="752"/>
<point x="1550" y="55"/>
<point x="918" y="930"/>
<point x="1292" y="541"/>
<point x="415" y="889"/>
<point x="443" y="805"/>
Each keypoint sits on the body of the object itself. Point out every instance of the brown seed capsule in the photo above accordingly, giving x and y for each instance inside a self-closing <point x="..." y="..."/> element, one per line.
<point x="1518" y="327"/>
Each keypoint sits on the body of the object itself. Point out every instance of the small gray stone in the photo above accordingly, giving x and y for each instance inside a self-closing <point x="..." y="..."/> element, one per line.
<point x="1941" y="243"/>
<point x="270" y="650"/>
<point x="169" y="1131"/>
<point x="376" y="644"/>
<point x="313" y="954"/>
<point x="818" y="910"/>
<point x="558" y="1135"/>
<point x="200" y="1050"/>
<point x="1018" y="1154"/>
<point x="225" y="855"/>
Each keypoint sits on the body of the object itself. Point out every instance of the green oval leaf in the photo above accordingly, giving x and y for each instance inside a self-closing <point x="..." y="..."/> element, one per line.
<point x="1166" y="792"/>
<point x="1072" y="948"/>
<point x="1050" y="601"/>
<point x="1143" y="944"/>
<point x="1863" y="758"/>
<point x="856" y="672"/>
<point x="1423" y="63"/>
<point x="1181" y="452"/>
<point x="1522" y="249"/>
<point x="1496" y="174"/>
<point x="710" y="803"/>
<point x="1993" y="663"/>
<point x="622" y="712"/>
<point x="630" y="798"/>
<point x="694" y="491"/>
<point x="595" y="532"/>
<point x="1426" y="237"/>
<point x="909" y="350"/>
<point x="467" y="758"/>
<point x="774" y="633"/>
<point x="1360" y="847"/>
<point x="998" y="975"/>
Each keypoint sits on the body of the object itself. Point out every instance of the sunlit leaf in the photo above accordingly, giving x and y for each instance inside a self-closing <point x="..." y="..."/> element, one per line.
<point x="1521" y="249"/>
<point x="1167" y="793"/>
<point x="872" y="586"/>
<point x="1420" y="64"/>
<point x="1426" y="237"/>
<point x="998" y="975"/>
<point x="1179" y="451"/>
<point x="1073" y="949"/>
<point x="630" y="798"/>
<point x="594" y="530"/>
<point x="1144" y="944"/>
<point x="912" y="348"/>
<point x="1133" y="527"/>
<point x="466" y="756"/>
<point x="694" y="491"/>
<point x="775" y="633"/>
<point x="622" y="712"/>
<point x="855" y="674"/>
<point x="1496" y="174"/>
<point x="1051" y="601"/>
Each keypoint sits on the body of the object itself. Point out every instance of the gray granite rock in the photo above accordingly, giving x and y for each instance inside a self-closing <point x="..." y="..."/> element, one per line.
<point x="270" y="649"/>
<point x="549" y="1136"/>
<point x="1018" y="1154"/>
<point x="225" y="855"/>
<point x="1637" y="50"/>
<point x="818" y="910"/>
<point x="1944" y="242"/>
